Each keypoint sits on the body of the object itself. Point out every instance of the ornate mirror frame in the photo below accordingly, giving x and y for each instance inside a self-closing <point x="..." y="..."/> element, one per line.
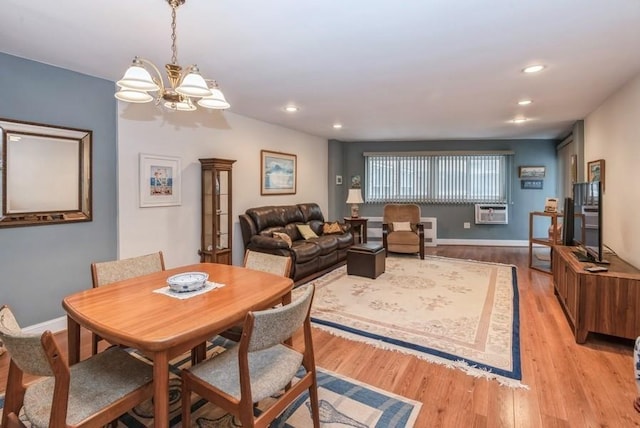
<point x="46" y="174"/>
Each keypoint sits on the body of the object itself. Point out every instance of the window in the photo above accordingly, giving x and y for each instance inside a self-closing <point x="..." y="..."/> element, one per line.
<point x="438" y="177"/>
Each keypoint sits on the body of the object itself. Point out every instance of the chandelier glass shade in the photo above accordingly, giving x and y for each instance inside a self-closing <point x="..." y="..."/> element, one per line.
<point x="137" y="82"/>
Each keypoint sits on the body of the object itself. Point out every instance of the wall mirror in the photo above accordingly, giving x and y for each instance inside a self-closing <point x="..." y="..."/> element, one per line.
<point x="46" y="174"/>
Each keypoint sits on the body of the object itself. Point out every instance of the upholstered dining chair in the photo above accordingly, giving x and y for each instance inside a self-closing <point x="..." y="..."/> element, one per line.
<point x="92" y="393"/>
<point x="271" y="263"/>
<point x="402" y="231"/>
<point x="104" y="273"/>
<point x="260" y="366"/>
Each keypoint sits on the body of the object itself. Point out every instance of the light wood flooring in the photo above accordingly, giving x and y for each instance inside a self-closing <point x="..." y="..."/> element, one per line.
<point x="570" y="385"/>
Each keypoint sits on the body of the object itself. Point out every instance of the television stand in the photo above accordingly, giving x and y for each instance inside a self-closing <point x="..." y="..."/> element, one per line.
<point x="604" y="302"/>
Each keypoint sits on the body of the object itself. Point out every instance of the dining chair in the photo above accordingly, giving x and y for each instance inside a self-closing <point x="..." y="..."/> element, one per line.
<point x="402" y="231"/>
<point x="104" y="273"/>
<point x="260" y="366"/>
<point x="271" y="263"/>
<point x="92" y="393"/>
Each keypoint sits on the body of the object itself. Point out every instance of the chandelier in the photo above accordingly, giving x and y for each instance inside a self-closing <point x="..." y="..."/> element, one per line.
<point x="185" y="89"/>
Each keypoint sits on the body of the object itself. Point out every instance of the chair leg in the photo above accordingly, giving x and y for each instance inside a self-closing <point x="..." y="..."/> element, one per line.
<point x="186" y="402"/>
<point x="94" y="343"/>
<point x="315" y="404"/>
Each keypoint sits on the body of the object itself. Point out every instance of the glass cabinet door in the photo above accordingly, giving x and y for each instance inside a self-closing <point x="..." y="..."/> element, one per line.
<point x="216" y="210"/>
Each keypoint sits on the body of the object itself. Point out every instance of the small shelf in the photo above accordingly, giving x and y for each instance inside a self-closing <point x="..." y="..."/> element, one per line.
<point x="553" y="239"/>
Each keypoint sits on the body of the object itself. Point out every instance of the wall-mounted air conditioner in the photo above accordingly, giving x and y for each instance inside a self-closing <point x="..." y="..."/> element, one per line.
<point x="492" y="214"/>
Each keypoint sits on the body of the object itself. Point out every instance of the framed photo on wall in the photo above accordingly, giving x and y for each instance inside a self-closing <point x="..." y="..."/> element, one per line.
<point x="531" y="171"/>
<point x="595" y="171"/>
<point x="278" y="173"/>
<point x="159" y="180"/>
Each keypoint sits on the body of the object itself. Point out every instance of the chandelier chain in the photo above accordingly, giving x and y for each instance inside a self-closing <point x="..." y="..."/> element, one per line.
<point x="174" y="48"/>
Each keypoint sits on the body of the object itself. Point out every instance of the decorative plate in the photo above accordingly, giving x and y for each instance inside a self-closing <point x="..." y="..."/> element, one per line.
<point x="188" y="281"/>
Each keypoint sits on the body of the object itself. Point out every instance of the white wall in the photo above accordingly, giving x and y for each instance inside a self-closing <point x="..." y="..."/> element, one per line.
<point x="612" y="133"/>
<point x="204" y="134"/>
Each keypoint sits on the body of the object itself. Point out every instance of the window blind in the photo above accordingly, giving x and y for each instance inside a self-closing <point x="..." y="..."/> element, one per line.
<point x="438" y="178"/>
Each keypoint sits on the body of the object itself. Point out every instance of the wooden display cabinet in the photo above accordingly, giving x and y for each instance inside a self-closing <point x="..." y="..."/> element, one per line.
<point x="605" y="302"/>
<point x="217" y="225"/>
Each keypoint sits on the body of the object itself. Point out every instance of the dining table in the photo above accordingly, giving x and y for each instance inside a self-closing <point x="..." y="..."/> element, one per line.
<point x="141" y="314"/>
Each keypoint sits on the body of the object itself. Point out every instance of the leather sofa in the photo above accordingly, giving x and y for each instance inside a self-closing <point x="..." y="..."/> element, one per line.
<point x="310" y="257"/>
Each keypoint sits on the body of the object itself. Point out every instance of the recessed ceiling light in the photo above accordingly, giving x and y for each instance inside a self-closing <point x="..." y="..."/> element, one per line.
<point x="291" y="108"/>
<point x="533" y="68"/>
<point x="337" y="126"/>
<point x="519" y="120"/>
<point x="524" y="102"/>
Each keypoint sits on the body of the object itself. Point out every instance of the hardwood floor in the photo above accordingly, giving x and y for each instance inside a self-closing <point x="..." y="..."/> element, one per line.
<point x="570" y="385"/>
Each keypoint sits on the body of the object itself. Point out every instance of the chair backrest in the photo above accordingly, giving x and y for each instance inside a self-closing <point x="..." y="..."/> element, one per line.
<point x="401" y="212"/>
<point x="271" y="263"/>
<point x="26" y="350"/>
<point x="103" y="273"/>
<point x="273" y="326"/>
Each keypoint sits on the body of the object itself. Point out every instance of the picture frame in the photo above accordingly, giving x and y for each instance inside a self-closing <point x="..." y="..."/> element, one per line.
<point x="529" y="184"/>
<point x="278" y="173"/>
<point x="159" y="180"/>
<point x="338" y="180"/>
<point x="595" y="171"/>
<point x="531" y="171"/>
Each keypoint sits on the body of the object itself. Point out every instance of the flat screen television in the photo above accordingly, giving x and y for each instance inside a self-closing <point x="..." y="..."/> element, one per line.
<point x="587" y="219"/>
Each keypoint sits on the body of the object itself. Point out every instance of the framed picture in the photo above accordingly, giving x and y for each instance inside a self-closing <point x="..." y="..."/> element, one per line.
<point x="338" y="179"/>
<point x="531" y="184"/>
<point x="278" y="173"/>
<point x="159" y="180"/>
<point x="595" y="171"/>
<point x="531" y="171"/>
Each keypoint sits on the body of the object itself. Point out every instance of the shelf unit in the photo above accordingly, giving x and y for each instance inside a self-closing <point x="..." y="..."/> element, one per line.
<point x="554" y="237"/>
<point x="217" y="225"/>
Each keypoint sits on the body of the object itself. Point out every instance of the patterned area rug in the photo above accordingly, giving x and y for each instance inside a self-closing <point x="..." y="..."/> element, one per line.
<point x="344" y="402"/>
<point x="454" y="312"/>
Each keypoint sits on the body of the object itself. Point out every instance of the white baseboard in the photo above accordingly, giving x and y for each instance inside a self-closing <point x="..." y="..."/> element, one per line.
<point x="54" y="325"/>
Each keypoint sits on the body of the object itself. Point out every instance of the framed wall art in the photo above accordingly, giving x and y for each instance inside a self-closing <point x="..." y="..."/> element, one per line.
<point x="278" y="173"/>
<point x="595" y="171"/>
<point x="159" y="180"/>
<point x="531" y="171"/>
<point x="531" y="184"/>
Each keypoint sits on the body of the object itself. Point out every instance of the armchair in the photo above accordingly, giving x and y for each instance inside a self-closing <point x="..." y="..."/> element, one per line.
<point x="402" y="231"/>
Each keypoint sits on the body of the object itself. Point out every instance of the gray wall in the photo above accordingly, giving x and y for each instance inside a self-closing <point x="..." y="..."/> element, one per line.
<point x="348" y="160"/>
<point x="39" y="265"/>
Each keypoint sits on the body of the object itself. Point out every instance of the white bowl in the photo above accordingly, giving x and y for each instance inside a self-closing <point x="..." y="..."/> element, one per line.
<point x="188" y="281"/>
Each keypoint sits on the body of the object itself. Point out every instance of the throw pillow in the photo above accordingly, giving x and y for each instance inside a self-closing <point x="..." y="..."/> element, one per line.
<point x="305" y="231"/>
<point x="329" y="228"/>
<point x="286" y="238"/>
<point x="401" y="226"/>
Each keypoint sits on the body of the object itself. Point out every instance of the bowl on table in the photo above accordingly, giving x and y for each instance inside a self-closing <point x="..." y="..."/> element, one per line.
<point x="187" y="281"/>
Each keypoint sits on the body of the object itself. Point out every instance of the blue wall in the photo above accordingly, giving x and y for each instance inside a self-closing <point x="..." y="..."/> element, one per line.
<point x="346" y="158"/>
<point x="39" y="265"/>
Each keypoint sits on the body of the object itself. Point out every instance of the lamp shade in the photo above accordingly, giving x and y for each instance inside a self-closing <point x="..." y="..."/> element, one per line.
<point x="215" y="101"/>
<point x="193" y="84"/>
<point x="137" y="77"/>
<point x="133" y="96"/>
<point x="355" y="196"/>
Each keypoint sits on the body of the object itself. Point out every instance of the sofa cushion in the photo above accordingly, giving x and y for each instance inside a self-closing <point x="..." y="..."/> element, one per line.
<point x="344" y="240"/>
<point x="311" y="211"/>
<point x="326" y="243"/>
<point x="401" y="226"/>
<point x="305" y="231"/>
<point x="282" y="235"/>
<point x="331" y="228"/>
<point x="304" y="251"/>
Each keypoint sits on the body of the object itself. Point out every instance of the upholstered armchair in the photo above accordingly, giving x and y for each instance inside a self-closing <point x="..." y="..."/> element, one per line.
<point x="402" y="231"/>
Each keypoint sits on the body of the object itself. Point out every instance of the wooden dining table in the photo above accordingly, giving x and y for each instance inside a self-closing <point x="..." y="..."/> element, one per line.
<point x="162" y="327"/>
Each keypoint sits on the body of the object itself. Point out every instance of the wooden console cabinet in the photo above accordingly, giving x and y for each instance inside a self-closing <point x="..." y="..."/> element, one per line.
<point x="606" y="302"/>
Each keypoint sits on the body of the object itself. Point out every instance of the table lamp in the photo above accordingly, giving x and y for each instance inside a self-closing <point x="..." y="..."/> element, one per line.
<point x="355" y="198"/>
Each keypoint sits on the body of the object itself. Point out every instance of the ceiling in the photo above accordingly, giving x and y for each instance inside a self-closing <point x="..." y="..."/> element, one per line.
<point x="384" y="69"/>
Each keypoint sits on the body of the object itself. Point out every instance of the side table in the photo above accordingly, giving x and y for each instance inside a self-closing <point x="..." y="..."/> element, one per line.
<point x="359" y="223"/>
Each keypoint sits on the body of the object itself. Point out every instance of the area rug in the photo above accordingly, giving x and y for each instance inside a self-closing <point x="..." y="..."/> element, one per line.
<point x="459" y="313"/>
<point x="343" y="402"/>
